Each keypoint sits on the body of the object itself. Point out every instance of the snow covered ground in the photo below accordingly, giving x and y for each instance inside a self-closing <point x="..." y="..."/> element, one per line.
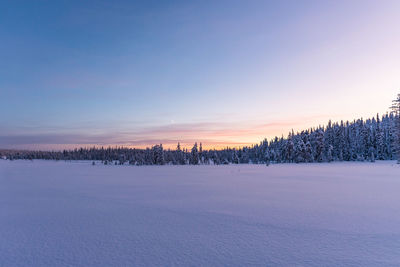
<point x="75" y="214"/>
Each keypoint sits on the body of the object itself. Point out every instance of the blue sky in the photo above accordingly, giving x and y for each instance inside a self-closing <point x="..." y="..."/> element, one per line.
<point x="137" y="73"/>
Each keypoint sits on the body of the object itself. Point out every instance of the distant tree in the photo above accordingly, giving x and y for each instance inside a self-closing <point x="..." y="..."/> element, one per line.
<point x="300" y="150"/>
<point x="158" y="155"/>
<point x="180" y="157"/>
<point x="235" y="157"/>
<point x="267" y="156"/>
<point x="194" y="155"/>
<point x="201" y="154"/>
<point x="372" y="154"/>
<point x="290" y="149"/>
<point x="308" y="156"/>
<point x="215" y="158"/>
<point x="396" y="113"/>
<point x="329" y="154"/>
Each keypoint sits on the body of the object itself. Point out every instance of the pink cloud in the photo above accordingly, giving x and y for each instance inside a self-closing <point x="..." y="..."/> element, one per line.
<point x="211" y="134"/>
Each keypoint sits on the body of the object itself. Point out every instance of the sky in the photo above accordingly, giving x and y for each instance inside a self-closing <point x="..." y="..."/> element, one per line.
<point x="224" y="73"/>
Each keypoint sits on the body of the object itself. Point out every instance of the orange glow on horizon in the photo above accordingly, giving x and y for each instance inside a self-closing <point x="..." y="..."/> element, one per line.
<point x="211" y="135"/>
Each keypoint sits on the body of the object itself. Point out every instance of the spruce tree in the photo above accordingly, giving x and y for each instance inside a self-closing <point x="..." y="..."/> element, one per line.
<point x="194" y="155"/>
<point x="396" y="113"/>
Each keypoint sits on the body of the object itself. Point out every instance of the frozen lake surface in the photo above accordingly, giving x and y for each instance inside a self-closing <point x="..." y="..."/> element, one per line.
<point x="75" y="214"/>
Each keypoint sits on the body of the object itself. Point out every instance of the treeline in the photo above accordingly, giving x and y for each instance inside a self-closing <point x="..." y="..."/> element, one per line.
<point x="360" y="140"/>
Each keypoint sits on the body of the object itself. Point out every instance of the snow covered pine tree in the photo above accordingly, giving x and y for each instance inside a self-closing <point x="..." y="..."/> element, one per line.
<point x="396" y="112"/>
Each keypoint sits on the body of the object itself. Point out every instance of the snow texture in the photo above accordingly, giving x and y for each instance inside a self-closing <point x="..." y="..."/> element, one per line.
<point x="76" y="214"/>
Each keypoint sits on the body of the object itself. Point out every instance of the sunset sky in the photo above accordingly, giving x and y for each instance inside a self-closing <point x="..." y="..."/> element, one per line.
<point x="224" y="73"/>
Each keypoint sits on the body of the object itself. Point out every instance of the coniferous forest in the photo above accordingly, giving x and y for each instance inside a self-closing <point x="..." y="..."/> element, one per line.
<point x="373" y="139"/>
<point x="361" y="140"/>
